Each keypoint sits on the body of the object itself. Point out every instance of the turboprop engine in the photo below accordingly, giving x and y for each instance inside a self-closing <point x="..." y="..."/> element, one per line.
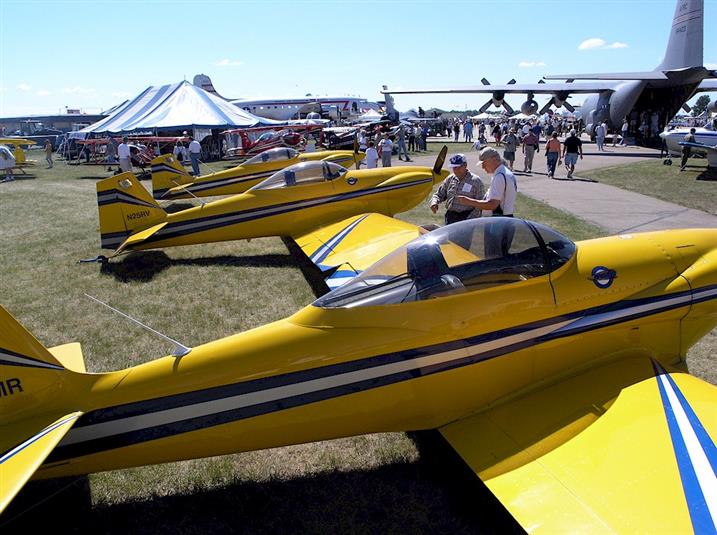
<point x="529" y="107"/>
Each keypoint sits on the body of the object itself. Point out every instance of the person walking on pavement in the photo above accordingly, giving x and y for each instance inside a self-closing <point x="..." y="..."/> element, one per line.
<point x="402" y="143"/>
<point x="195" y="152"/>
<point x="572" y="147"/>
<point x="460" y="182"/>
<point x="623" y="132"/>
<point x="552" y="153"/>
<point x="600" y="137"/>
<point x="529" y="148"/>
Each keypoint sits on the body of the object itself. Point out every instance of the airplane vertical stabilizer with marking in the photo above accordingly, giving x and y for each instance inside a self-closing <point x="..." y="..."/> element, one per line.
<point x="125" y="207"/>
<point x="167" y="173"/>
<point x="684" y="49"/>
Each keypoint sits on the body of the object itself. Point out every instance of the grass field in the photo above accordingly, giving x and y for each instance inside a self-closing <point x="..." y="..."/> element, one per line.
<point x="696" y="187"/>
<point x="387" y="482"/>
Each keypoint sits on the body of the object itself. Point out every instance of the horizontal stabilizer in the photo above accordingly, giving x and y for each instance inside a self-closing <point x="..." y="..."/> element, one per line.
<point x="623" y="448"/>
<point x="346" y="248"/>
<point x="138" y="237"/>
<point x="22" y="455"/>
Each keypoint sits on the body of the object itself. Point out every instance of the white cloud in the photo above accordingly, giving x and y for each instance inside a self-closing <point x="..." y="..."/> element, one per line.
<point x="24" y="87"/>
<point x="78" y="90"/>
<point x="711" y="66"/>
<point x="531" y="64"/>
<point x="595" y="43"/>
<point x="228" y="63"/>
<point x="120" y="94"/>
<point x="43" y="93"/>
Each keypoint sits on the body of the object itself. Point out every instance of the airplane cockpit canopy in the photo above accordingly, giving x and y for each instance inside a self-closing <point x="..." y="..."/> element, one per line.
<point x="302" y="173"/>
<point x="273" y="155"/>
<point x="463" y="257"/>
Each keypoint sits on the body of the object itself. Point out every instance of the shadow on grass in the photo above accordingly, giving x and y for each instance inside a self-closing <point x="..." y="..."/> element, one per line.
<point x="16" y="178"/>
<point x="575" y="179"/>
<point x="143" y="266"/>
<point x="427" y="496"/>
<point x="708" y="175"/>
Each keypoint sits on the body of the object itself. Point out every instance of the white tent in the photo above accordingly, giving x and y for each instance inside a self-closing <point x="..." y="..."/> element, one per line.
<point x="370" y="115"/>
<point x="484" y="115"/>
<point x="523" y="117"/>
<point x="173" y="107"/>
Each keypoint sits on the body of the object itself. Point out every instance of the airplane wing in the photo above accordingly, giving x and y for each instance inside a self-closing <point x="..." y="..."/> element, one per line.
<point x="623" y="448"/>
<point x="707" y="85"/>
<point x="344" y="249"/>
<point x="540" y="88"/>
<point x="647" y="75"/>
<point x="24" y="451"/>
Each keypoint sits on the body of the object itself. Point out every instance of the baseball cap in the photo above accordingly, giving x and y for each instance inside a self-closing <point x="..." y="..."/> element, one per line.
<point x="457" y="160"/>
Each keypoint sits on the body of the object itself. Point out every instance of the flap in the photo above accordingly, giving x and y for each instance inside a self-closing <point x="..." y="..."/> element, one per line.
<point x="138" y="237"/>
<point x="20" y="461"/>
<point x="350" y="246"/>
<point x="622" y="448"/>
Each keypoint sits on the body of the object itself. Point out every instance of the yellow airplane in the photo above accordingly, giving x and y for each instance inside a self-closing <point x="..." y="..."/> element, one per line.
<point x="170" y="180"/>
<point x="17" y="149"/>
<point x="298" y="202"/>
<point x="554" y="369"/>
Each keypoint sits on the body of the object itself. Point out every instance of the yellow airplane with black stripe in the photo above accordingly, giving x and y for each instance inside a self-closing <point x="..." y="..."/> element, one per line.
<point x="170" y="180"/>
<point x="555" y="369"/>
<point x="293" y="202"/>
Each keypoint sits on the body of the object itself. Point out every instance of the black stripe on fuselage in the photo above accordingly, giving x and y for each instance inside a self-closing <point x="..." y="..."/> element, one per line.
<point x="175" y="228"/>
<point x="118" y="413"/>
<point x="115" y="196"/>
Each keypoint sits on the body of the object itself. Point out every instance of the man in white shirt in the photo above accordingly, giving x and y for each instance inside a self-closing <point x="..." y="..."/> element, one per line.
<point x="371" y="156"/>
<point x="195" y="151"/>
<point x="124" y="155"/>
<point x="503" y="189"/>
<point x="600" y="136"/>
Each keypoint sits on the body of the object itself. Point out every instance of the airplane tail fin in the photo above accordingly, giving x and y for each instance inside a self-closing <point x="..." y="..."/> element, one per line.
<point x="125" y="207"/>
<point x="684" y="49"/>
<point x="167" y="173"/>
<point x="32" y="378"/>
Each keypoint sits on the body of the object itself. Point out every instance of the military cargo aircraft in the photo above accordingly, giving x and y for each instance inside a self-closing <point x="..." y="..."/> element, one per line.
<point x="170" y="180"/>
<point x="651" y="97"/>
<point x="555" y="370"/>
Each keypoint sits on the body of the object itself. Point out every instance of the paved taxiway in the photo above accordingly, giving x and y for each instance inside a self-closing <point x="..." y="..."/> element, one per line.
<point x="614" y="209"/>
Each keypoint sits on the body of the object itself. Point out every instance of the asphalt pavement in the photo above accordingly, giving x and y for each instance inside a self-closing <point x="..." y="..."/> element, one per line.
<point x="614" y="209"/>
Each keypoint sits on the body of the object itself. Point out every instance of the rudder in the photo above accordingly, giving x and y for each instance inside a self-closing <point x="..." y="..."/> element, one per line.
<point x="684" y="48"/>
<point x="167" y="172"/>
<point x="125" y="206"/>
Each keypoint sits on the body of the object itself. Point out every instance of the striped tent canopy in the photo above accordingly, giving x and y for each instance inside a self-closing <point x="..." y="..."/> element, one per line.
<point x="176" y="106"/>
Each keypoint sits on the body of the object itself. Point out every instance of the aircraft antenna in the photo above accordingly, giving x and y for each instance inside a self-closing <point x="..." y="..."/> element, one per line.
<point x="186" y="190"/>
<point x="179" y="349"/>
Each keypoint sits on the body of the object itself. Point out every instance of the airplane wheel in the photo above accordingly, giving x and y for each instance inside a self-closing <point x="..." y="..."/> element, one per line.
<point x="666" y="162"/>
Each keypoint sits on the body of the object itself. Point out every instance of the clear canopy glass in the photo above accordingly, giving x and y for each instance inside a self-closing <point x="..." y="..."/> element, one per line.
<point x="301" y="174"/>
<point x="467" y="256"/>
<point x="273" y="155"/>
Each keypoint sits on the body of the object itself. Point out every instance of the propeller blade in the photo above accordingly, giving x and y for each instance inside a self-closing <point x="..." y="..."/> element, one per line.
<point x="569" y="106"/>
<point x="686" y="107"/>
<point x="508" y="108"/>
<point x="356" y="145"/>
<point x="485" y="106"/>
<point x="484" y="81"/>
<point x="440" y="160"/>
<point x="511" y="81"/>
<point x="545" y="108"/>
<point x="541" y="81"/>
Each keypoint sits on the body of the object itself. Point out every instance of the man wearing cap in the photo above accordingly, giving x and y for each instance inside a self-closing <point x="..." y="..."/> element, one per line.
<point x="123" y="154"/>
<point x="503" y="189"/>
<point x="460" y="184"/>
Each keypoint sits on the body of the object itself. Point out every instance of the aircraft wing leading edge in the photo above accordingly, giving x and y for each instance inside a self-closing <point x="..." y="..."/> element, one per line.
<point x="24" y="454"/>
<point x="622" y="448"/>
<point x="538" y="89"/>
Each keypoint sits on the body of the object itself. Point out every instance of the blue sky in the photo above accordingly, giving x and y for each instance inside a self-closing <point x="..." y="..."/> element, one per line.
<point x="93" y="55"/>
